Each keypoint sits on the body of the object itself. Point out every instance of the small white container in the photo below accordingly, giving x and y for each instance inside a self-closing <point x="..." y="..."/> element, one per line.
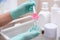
<point x="50" y="31"/>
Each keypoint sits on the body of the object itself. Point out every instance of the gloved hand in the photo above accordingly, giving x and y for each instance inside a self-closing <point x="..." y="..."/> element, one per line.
<point x="25" y="36"/>
<point x="34" y="28"/>
<point x="30" y="34"/>
<point x="22" y="9"/>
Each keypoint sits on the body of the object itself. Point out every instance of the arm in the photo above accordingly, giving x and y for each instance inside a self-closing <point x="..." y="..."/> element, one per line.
<point x="5" y="18"/>
<point x="15" y="13"/>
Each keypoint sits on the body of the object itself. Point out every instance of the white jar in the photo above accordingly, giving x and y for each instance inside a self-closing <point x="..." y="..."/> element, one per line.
<point x="50" y="31"/>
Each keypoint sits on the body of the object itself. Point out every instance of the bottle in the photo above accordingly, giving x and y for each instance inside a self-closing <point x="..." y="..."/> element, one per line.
<point x="55" y="14"/>
<point x="54" y="11"/>
<point x="44" y="15"/>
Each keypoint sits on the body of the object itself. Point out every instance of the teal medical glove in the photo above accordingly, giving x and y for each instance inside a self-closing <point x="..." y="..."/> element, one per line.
<point x="26" y="36"/>
<point x="33" y="32"/>
<point x="22" y="9"/>
<point x="34" y="28"/>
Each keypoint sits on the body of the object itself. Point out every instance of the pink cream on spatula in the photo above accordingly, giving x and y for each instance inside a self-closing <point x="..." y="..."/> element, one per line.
<point x="35" y="14"/>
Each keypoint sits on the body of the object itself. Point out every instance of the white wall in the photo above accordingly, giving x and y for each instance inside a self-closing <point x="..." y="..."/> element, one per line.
<point x="8" y="5"/>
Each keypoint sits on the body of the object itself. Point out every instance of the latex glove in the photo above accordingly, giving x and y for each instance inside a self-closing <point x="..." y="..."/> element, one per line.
<point x="22" y="9"/>
<point x="26" y="36"/>
<point x="33" y="32"/>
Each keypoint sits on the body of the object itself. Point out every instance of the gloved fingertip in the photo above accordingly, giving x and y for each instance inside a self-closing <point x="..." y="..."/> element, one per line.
<point x="38" y="32"/>
<point x="35" y="33"/>
<point x="32" y="3"/>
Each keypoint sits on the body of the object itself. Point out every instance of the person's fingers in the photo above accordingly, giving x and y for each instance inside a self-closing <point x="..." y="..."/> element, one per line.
<point x="31" y="5"/>
<point x="31" y="35"/>
<point x="26" y="36"/>
<point x="34" y="28"/>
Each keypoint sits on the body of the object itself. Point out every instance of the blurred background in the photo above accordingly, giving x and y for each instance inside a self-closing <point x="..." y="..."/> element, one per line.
<point x="11" y="4"/>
